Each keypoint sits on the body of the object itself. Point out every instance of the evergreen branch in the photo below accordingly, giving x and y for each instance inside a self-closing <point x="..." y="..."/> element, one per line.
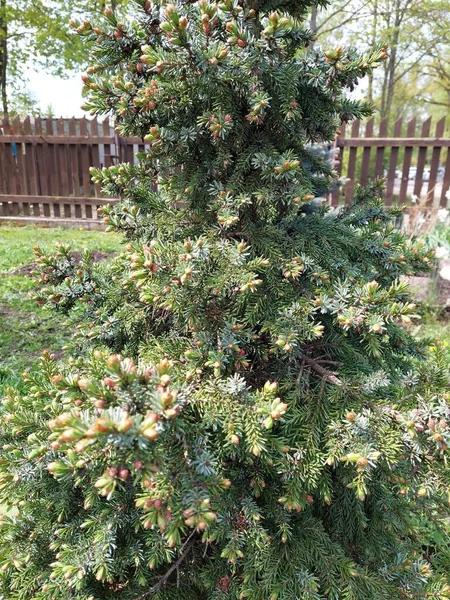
<point x="185" y="550"/>
<point x="325" y="373"/>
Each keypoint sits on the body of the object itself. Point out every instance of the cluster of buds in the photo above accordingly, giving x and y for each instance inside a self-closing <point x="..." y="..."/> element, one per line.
<point x="219" y="126"/>
<point x="294" y="268"/>
<point x="272" y="412"/>
<point x="250" y="285"/>
<point x="154" y="136"/>
<point x="147" y="96"/>
<point x="286" y="342"/>
<point x="149" y="57"/>
<point x="287" y="166"/>
<point x="219" y="55"/>
<point x="83" y="28"/>
<point x="175" y="26"/>
<point x="199" y="517"/>
<point x="142" y="265"/>
<point x="238" y="36"/>
<point x="274" y="24"/>
<point x="258" y="110"/>
<point x="362" y="461"/>
<point x="157" y="514"/>
<point x="209" y="16"/>
<point x="292" y="502"/>
<point x="292" y="111"/>
<point x="334" y="56"/>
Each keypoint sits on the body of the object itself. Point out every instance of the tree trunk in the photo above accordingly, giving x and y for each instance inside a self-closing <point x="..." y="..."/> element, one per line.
<point x="392" y="65"/>
<point x="3" y="56"/>
<point x="313" y="20"/>
<point x="373" y="43"/>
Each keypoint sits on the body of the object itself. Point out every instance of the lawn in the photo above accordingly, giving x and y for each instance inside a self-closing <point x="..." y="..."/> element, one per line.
<point x="26" y="328"/>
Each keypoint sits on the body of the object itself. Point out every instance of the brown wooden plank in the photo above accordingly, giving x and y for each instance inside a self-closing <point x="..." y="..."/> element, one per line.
<point x="365" y="165"/>
<point x="54" y="186"/>
<point x="95" y="153"/>
<point x="41" y="165"/>
<point x="63" y="168"/>
<point x="421" y="159"/>
<point x="379" y="163"/>
<point x="76" y="175"/>
<point x="60" y="199"/>
<point x="59" y="139"/>
<point x="401" y="142"/>
<point x="446" y="182"/>
<point x="410" y="129"/>
<point x="106" y="127"/>
<point x="393" y="159"/>
<point x="83" y="152"/>
<point x="20" y="160"/>
<point x="30" y="161"/>
<point x="349" y="186"/>
<point x="10" y="161"/>
<point x="435" y="156"/>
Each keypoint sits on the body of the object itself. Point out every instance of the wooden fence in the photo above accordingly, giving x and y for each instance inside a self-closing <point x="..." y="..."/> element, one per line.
<point x="44" y="165"/>
<point x="414" y="160"/>
<point x="44" y="168"/>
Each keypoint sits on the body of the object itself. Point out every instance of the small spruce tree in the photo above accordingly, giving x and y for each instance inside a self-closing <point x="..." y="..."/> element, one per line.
<point x="261" y="426"/>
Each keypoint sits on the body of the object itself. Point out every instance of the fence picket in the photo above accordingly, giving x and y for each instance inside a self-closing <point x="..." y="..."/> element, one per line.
<point x="352" y="163"/>
<point x="393" y="164"/>
<point x="422" y="159"/>
<point x="435" y="155"/>
<point x="366" y="154"/>
<point x="410" y="131"/>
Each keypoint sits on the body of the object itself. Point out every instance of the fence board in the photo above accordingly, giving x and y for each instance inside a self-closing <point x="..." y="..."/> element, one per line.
<point x="366" y="154"/>
<point x="380" y="151"/>
<point x="410" y="129"/>
<point x="435" y="155"/>
<point x="352" y="163"/>
<point x="421" y="159"/>
<point x="393" y="164"/>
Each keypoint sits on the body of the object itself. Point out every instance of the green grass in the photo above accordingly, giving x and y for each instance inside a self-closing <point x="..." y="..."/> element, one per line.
<point x="27" y="329"/>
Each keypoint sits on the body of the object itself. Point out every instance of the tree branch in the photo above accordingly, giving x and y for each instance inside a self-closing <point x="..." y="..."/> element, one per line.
<point x="184" y="552"/>
<point x="325" y="373"/>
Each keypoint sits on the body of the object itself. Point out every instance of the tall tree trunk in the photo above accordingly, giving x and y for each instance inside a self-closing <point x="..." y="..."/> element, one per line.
<point x="373" y="43"/>
<point x="392" y="65"/>
<point x="3" y="56"/>
<point x="313" y="20"/>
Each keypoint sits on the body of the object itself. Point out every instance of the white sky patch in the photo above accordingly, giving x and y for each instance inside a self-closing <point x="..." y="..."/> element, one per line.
<point x="64" y="95"/>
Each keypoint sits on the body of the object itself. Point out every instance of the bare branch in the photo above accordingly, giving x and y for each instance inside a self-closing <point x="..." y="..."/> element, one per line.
<point x="325" y="373"/>
<point x="184" y="553"/>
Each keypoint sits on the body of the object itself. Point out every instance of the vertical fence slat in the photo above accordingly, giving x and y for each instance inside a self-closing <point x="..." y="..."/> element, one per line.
<point x="435" y="155"/>
<point x="410" y="132"/>
<point x="351" y="163"/>
<point x="393" y="164"/>
<point x="421" y="159"/>
<point x="63" y="160"/>
<point x="75" y="168"/>
<point x="446" y="182"/>
<point x="379" y="164"/>
<point x="95" y="153"/>
<point x="338" y="167"/>
<point x="365" y="165"/>
<point x="107" y="147"/>
<point x="43" y="168"/>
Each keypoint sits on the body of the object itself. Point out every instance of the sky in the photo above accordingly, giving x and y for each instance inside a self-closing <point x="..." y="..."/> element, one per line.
<point x="64" y="95"/>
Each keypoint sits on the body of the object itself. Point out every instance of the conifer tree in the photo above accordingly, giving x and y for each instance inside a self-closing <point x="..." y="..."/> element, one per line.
<point x="247" y="416"/>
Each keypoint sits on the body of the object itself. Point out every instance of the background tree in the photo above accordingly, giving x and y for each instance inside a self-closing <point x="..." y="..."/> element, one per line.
<point x="416" y="34"/>
<point x="269" y="429"/>
<point x="36" y="35"/>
